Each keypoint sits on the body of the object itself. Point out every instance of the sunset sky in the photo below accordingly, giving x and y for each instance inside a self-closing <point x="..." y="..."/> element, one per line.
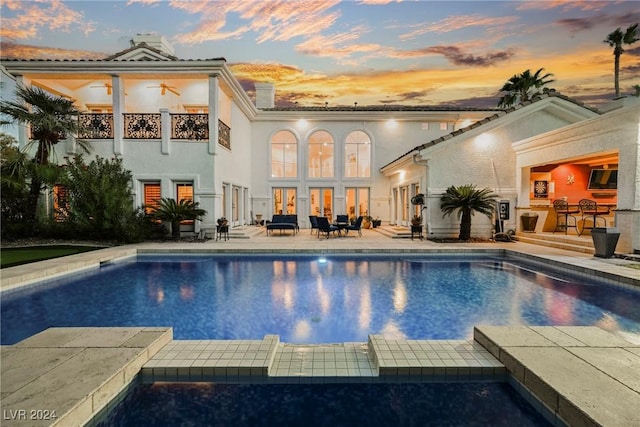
<point x="372" y="52"/>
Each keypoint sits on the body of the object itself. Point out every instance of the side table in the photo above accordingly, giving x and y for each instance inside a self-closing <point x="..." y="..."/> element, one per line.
<point x="416" y="230"/>
<point x="222" y="232"/>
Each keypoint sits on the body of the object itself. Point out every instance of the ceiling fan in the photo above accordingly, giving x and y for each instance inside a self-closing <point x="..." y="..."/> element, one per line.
<point x="106" y="85"/>
<point x="166" y="88"/>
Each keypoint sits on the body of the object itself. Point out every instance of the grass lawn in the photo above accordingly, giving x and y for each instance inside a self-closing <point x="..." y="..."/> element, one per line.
<point x="10" y="257"/>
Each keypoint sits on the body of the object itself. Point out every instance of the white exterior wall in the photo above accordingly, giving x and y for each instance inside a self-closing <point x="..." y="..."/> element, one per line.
<point x="388" y="140"/>
<point x="484" y="160"/>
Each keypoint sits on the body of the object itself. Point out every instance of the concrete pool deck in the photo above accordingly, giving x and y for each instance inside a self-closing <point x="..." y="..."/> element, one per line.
<point x="581" y="375"/>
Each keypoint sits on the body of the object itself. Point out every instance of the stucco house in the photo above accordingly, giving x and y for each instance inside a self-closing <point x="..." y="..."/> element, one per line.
<point x="187" y="128"/>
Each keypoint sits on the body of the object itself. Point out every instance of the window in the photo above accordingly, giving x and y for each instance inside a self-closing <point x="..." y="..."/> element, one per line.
<point x="444" y="126"/>
<point x="100" y="108"/>
<point x="196" y="109"/>
<point x="60" y="202"/>
<point x="152" y="197"/>
<point x="321" y="202"/>
<point x="357" y="200"/>
<point x="320" y="155"/>
<point x="184" y="191"/>
<point x="357" y="158"/>
<point x="284" y="155"/>
<point x="284" y="201"/>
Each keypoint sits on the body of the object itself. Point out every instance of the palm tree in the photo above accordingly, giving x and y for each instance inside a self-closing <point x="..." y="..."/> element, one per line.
<point x="176" y="212"/>
<point x="616" y="39"/>
<point x="51" y="118"/>
<point x="522" y="87"/>
<point x="465" y="200"/>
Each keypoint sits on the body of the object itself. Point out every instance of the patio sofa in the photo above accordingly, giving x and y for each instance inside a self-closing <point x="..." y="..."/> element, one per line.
<point x="283" y="222"/>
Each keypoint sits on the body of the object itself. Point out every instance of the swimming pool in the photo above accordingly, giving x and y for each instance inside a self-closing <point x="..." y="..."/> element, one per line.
<point x="316" y="405"/>
<point x="312" y="299"/>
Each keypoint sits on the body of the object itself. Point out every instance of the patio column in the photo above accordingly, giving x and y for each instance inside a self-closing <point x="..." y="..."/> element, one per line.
<point x="165" y="130"/>
<point x="214" y="114"/>
<point x="117" y="86"/>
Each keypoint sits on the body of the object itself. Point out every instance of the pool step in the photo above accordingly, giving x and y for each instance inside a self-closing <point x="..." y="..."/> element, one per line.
<point x="381" y="359"/>
<point x="582" y="244"/>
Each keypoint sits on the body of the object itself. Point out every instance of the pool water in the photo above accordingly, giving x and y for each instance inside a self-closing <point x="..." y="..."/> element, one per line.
<point x="324" y="405"/>
<point x="307" y="299"/>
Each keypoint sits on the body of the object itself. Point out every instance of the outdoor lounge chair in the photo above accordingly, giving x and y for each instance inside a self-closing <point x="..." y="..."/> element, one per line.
<point x="325" y="227"/>
<point x="356" y="226"/>
<point x="283" y="222"/>
<point x="313" y="220"/>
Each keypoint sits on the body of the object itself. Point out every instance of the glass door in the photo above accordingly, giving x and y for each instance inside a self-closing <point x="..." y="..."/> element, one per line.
<point x="321" y="202"/>
<point x="285" y="201"/>
<point x="357" y="200"/>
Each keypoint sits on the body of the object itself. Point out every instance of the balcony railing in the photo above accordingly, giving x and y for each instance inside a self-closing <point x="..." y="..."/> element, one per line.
<point x="96" y="126"/>
<point x="184" y="127"/>
<point x="224" y="135"/>
<point x="142" y="126"/>
<point x="194" y="127"/>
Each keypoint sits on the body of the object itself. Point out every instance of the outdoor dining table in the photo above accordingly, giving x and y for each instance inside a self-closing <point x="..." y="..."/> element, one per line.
<point x="341" y="226"/>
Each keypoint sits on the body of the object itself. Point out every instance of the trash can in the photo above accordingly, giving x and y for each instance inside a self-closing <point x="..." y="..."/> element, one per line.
<point x="605" y="240"/>
<point x="529" y="221"/>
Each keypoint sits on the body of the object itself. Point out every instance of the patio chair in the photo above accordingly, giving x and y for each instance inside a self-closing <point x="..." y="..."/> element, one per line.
<point x="591" y="211"/>
<point x="342" y="218"/>
<point x="325" y="227"/>
<point x="356" y="226"/>
<point x="313" y="220"/>
<point x="563" y="210"/>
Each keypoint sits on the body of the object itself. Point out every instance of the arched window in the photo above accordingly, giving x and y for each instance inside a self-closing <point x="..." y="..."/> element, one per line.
<point x="357" y="155"/>
<point x="321" y="155"/>
<point x="284" y="155"/>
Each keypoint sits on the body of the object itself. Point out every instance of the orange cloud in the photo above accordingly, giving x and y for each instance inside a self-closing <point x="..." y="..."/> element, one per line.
<point x="273" y="20"/>
<point x="434" y="86"/>
<point x="338" y="46"/>
<point x="454" y="23"/>
<point x="21" y="51"/>
<point x="32" y="16"/>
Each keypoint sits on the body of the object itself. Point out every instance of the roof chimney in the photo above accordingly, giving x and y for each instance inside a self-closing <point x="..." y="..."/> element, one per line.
<point x="265" y="95"/>
<point x="155" y="41"/>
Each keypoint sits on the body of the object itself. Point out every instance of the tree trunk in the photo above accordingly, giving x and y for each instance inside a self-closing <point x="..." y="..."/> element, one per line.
<point x="32" y="201"/>
<point x="616" y="71"/>
<point x="465" y="225"/>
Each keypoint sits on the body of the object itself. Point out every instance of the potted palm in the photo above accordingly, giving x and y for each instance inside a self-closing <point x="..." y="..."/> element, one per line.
<point x="366" y="221"/>
<point x="175" y="212"/>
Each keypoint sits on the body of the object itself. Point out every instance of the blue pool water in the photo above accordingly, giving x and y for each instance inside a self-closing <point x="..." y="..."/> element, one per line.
<point x="325" y="405"/>
<point x="308" y="299"/>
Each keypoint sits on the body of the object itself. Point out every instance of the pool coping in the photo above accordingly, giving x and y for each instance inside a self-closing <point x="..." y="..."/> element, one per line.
<point x="572" y="375"/>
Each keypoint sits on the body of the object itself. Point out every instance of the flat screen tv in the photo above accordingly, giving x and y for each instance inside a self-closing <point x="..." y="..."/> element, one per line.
<point x="603" y="179"/>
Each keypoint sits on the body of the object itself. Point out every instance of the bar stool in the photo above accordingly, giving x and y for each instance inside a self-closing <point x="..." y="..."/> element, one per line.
<point x="563" y="209"/>
<point x="590" y="210"/>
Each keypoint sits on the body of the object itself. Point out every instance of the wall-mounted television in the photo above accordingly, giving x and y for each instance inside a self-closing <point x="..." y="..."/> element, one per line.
<point x="603" y="179"/>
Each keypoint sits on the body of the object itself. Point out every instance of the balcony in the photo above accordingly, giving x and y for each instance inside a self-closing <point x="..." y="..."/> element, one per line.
<point x="138" y="126"/>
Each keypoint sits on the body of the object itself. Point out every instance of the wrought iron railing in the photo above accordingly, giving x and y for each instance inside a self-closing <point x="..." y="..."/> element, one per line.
<point x="194" y="127"/>
<point x="96" y="126"/>
<point x="224" y="135"/>
<point x="142" y="126"/>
